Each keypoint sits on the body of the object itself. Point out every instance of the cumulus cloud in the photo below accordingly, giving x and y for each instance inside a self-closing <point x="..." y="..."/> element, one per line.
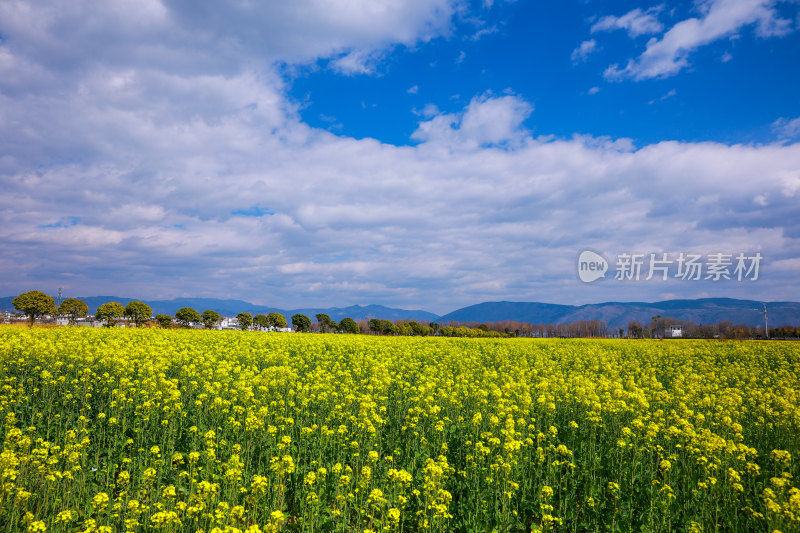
<point x="207" y="35"/>
<point x="582" y="52"/>
<point x="357" y="62"/>
<point x="144" y="169"/>
<point x="486" y="121"/>
<point x="636" y="22"/>
<point x="669" y="54"/>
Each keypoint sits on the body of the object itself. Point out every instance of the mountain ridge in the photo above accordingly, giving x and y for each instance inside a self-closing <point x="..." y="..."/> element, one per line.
<point x="618" y="314"/>
<point x="233" y="307"/>
<point x="615" y="314"/>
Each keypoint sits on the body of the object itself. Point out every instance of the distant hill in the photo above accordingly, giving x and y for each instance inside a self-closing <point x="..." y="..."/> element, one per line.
<point x="618" y="314"/>
<point x="614" y="314"/>
<point x="233" y="307"/>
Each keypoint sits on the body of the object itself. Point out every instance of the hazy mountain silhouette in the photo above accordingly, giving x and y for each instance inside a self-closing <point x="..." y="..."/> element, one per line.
<point x="618" y="314"/>
<point x="614" y="314"/>
<point x="233" y="307"/>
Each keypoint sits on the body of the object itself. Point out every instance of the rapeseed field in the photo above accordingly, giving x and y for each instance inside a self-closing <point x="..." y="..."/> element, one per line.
<point x="178" y="430"/>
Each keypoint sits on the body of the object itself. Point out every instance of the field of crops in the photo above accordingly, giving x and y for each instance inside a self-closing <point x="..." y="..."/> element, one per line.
<point x="114" y="430"/>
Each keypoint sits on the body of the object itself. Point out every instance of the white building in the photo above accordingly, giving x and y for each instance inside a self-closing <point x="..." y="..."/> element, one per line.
<point x="674" y="332"/>
<point x="229" y="323"/>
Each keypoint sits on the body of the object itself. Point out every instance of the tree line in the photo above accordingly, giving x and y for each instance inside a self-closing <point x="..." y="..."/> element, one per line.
<point x="658" y="328"/>
<point x="35" y="304"/>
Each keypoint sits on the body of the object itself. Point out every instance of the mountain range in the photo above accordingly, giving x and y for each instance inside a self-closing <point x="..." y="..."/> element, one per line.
<point x="234" y="307"/>
<point x="618" y="314"/>
<point x="614" y="314"/>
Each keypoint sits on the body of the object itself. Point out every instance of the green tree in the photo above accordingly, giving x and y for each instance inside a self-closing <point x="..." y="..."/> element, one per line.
<point x="111" y="312"/>
<point x="139" y="312"/>
<point x="416" y="327"/>
<point x="210" y="318"/>
<point x="245" y="321"/>
<point x="276" y="320"/>
<point x="324" y="322"/>
<point x="34" y="304"/>
<point x="348" y="325"/>
<point x="186" y="315"/>
<point x="635" y="329"/>
<point x="375" y="325"/>
<point x="261" y="321"/>
<point x="301" y="322"/>
<point x="165" y="321"/>
<point x="73" y="309"/>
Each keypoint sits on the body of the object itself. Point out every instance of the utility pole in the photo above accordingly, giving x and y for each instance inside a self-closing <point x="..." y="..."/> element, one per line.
<point x="764" y="312"/>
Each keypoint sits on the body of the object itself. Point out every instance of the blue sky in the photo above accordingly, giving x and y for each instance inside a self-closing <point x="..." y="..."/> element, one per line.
<point x="732" y="90"/>
<point x="428" y="153"/>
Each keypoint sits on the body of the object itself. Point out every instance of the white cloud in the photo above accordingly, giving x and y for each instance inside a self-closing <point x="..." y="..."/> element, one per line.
<point x="668" y="55"/>
<point x="413" y="90"/>
<point x="461" y="222"/>
<point x="357" y="62"/>
<point x="483" y="32"/>
<point x="430" y="110"/>
<point x="486" y="121"/>
<point x="582" y="52"/>
<point x="594" y="90"/>
<point x="787" y="128"/>
<point x="217" y="36"/>
<point x="669" y="94"/>
<point x="636" y="22"/>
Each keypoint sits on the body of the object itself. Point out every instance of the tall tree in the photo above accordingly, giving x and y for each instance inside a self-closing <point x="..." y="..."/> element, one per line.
<point x="111" y="312"/>
<point x="276" y="320"/>
<point x="165" y="321"/>
<point x="301" y="322"/>
<point x="261" y="321"/>
<point x="138" y="311"/>
<point x="324" y="322"/>
<point x="34" y="304"/>
<point x="210" y="318"/>
<point x="72" y="308"/>
<point x="388" y="328"/>
<point x="348" y="325"/>
<point x="635" y="329"/>
<point x="245" y="321"/>
<point x="186" y="315"/>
